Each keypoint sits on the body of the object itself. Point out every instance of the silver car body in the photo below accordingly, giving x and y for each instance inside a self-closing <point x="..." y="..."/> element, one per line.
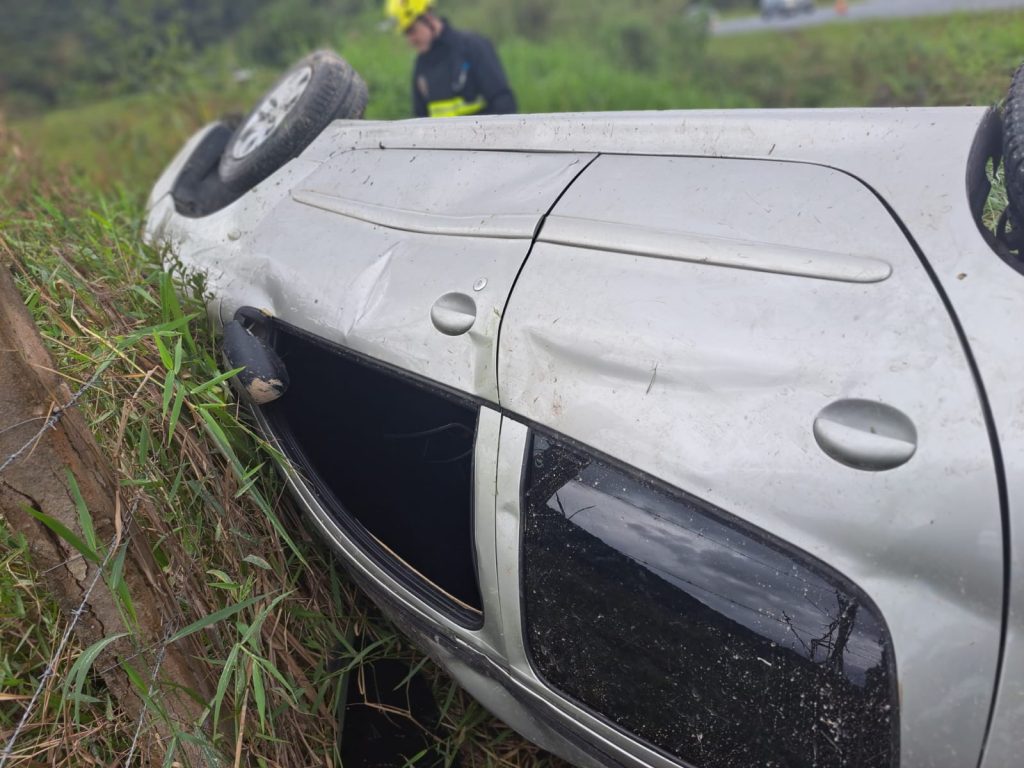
<point x="687" y="293"/>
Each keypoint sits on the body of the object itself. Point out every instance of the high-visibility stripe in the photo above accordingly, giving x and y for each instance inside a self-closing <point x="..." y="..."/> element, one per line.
<point x="456" y="107"/>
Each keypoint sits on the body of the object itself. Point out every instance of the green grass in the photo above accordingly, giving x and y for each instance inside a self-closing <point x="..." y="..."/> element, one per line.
<point x="948" y="60"/>
<point x="265" y="600"/>
<point x="997" y="199"/>
<point x="72" y="186"/>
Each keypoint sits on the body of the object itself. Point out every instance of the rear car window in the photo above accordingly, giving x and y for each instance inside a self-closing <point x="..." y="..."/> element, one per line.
<point x="703" y="637"/>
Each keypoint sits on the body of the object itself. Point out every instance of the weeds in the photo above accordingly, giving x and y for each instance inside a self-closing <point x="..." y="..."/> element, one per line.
<point x="264" y="603"/>
<point x="997" y="199"/>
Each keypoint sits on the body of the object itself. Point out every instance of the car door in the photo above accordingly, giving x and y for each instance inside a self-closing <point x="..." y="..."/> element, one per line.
<point x="380" y="283"/>
<point x="747" y="504"/>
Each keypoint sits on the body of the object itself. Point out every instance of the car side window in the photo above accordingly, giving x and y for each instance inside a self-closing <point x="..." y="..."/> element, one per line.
<point x="391" y="459"/>
<point x="700" y="635"/>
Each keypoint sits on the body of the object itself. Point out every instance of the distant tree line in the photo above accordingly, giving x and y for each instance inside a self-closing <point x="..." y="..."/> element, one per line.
<point x="50" y="50"/>
<point x="54" y="52"/>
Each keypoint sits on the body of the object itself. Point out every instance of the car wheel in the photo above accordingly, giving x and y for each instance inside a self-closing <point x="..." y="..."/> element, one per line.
<point x="1013" y="146"/>
<point x="319" y="89"/>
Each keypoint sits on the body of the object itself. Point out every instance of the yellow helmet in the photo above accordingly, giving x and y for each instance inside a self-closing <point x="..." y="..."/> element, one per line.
<point x="406" y="12"/>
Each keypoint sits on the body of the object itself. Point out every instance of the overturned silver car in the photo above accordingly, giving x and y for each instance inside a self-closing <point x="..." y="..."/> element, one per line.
<point x="678" y="438"/>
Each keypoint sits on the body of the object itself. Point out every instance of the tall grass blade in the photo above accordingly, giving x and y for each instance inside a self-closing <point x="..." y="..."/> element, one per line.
<point x="214" y="618"/>
<point x="82" y="667"/>
<point x="65" y="534"/>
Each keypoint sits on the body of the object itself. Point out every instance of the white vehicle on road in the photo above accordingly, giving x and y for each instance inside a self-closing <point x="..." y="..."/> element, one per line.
<point x="772" y="8"/>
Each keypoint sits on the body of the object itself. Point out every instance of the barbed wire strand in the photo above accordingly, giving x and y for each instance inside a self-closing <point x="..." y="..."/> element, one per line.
<point x="51" y="665"/>
<point x="62" y="564"/>
<point x="168" y="634"/>
<point x="21" y="423"/>
<point x="53" y="421"/>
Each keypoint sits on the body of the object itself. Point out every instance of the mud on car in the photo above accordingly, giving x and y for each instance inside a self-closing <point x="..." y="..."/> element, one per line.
<point x="677" y="438"/>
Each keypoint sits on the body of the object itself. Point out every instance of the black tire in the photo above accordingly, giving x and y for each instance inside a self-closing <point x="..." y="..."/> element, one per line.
<point x="330" y="89"/>
<point x="1013" y="146"/>
<point x="198" y="190"/>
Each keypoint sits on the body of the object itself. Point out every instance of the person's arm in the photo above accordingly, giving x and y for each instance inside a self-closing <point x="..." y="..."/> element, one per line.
<point x="491" y="80"/>
<point x="419" y="104"/>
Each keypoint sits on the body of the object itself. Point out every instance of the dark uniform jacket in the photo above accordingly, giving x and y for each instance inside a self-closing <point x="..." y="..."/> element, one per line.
<point x="460" y="75"/>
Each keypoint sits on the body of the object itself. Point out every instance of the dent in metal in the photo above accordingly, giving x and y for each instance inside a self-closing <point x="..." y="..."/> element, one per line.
<point x="371" y="287"/>
<point x="511" y="452"/>
<point x="485" y="479"/>
<point x="366" y="292"/>
<point x="714" y="251"/>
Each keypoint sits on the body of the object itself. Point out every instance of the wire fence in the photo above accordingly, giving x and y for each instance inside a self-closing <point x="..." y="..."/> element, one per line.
<point x="58" y="652"/>
<point x="117" y="542"/>
<point x="169" y="631"/>
<point x="52" y="421"/>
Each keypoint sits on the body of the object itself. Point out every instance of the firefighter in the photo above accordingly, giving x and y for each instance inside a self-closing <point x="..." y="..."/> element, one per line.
<point x="457" y="73"/>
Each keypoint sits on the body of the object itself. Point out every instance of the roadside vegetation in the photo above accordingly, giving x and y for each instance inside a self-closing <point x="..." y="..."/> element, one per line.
<point x="274" y="617"/>
<point x="639" y="64"/>
<point x="276" y="620"/>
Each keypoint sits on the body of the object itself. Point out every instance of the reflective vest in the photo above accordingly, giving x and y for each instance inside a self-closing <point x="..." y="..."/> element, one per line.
<point x="456" y="107"/>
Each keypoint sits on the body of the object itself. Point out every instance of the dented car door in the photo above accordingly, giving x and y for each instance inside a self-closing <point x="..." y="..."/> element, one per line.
<point x="386" y="320"/>
<point x="734" y="394"/>
<point x="406" y="256"/>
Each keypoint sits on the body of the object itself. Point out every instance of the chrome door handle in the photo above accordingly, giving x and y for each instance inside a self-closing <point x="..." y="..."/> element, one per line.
<point x="453" y="314"/>
<point x="866" y="435"/>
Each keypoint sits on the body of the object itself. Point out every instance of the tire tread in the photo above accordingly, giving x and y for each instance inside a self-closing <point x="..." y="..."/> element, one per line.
<point x="1013" y="144"/>
<point x="336" y="90"/>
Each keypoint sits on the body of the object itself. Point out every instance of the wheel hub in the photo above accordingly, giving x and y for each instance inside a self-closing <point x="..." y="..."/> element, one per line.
<point x="271" y="113"/>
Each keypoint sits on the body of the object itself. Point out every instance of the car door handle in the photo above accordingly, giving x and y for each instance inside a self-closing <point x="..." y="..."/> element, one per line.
<point x="866" y="435"/>
<point x="453" y="314"/>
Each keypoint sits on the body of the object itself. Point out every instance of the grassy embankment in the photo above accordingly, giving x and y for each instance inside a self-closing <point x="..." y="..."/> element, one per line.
<point x="72" y="186"/>
<point x="273" y="610"/>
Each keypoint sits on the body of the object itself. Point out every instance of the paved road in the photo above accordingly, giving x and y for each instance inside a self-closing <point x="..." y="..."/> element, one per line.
<point x="870" y="9"/>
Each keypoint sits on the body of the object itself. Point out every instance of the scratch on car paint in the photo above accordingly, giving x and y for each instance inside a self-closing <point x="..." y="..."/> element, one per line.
<point x="654" y="375"/>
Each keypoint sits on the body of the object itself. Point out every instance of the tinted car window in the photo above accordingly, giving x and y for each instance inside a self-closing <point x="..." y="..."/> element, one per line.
<point x="701" y="636"/>
<point x="391" y="459"/>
